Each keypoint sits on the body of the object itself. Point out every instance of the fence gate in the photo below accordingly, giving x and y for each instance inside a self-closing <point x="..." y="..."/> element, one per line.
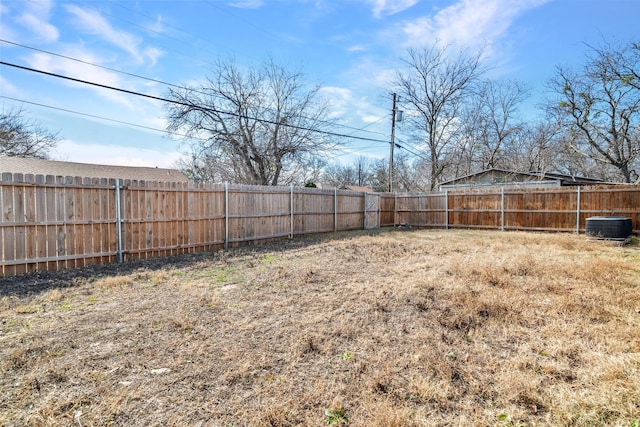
<point x="371" y="211"/>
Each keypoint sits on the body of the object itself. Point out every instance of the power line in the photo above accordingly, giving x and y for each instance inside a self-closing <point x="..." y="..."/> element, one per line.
<point x="91" y="64"/>
<point x="101" y="118"/>
<point x="402" y="147"/>
<point x="410" y="151"/>
<point x="93" y="116"/>
<point x="362" y="129"/>
<point x="166" y="100"/>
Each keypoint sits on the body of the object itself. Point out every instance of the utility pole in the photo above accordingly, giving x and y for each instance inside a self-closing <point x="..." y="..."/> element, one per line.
<point x="393" y="143"/>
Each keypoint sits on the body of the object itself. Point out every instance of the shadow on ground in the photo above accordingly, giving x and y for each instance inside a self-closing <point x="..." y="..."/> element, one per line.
<point x="31" y="284"/>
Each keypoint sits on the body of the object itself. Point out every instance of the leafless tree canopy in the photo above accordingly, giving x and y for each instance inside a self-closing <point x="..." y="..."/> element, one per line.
<point x="260" y="125"/>
<point x="22" y="137"/>
<point x="255" y="126"/>
<point x="600" y="105"/>
<point x="435" y="88"/>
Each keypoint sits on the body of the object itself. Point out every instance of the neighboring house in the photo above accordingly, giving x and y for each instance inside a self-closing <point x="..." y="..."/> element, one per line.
<point x="85" y="170"/>
<point x="492" y="178"/>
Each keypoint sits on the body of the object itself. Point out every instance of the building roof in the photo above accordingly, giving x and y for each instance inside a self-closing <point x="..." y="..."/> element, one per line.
<point x="358" y="188"/>
<point x="86" y="170"/>
<point x="495" y="176"/>
<point x="322" y="186"/>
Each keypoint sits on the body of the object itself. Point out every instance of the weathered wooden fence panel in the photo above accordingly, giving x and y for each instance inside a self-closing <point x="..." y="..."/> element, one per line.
<point x="350" y="210"/>
<point x="258" y="213"/>
<point x="421" y="210"/>
<point x="387" y="210"/>
<point x="51" y="223"/>
<point x="540" y="209"/>
<point x="474" y="210"/>
<point x="371" y="211"/>
<point x="313" y="210"/>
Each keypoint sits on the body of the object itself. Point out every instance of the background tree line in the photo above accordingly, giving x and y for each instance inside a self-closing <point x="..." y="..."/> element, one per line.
<point x="266" y="125"/>
<point x="457" y="119"/>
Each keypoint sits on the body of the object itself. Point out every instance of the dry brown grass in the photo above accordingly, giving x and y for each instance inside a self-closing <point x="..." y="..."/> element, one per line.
<point x="365" y="329"/>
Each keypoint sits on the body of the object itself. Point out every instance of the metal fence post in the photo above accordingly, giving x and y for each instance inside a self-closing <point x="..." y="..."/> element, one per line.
<point x="578" y="212"/>
<point x="226" y="215"/>
<point x="364" y="220"/>
<point x="291" y="218"/>
<point x="502" y="208"/>
<point x="119" y="222"/>
<point x="446" y="209"/>
<point x="395" y="209"/>
<point x="335" y="209"/>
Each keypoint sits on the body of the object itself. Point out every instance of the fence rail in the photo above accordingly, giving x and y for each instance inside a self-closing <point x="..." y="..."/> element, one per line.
<point x="52" y="223"/>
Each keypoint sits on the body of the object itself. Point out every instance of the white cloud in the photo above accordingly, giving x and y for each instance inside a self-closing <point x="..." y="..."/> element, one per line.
<point x="35" y="19"/>
<point x="79" y="70"/>
<point x="157" y="26"/>
<point x="353" y="109"/>
<point x="357" y="48"/>
<point x="72" y="151"/>
<point x="467" y="23"/>
<point x="37" y="25"/>
<point x="389" y="7"/>
<point x="153" y="54"/>
<point x="93" y="23"/>
<point x="9" y="89"/>
<point x="371" y="119"/>
<point x="371" y="73"/>
<point x="339" y="98"/>
<point x="247" y="4"/>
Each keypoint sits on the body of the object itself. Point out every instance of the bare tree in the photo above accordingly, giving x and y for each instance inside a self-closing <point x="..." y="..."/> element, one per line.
<point x="622" y="62"/>
<point x="362" y="172"/>
<point x="252" y="126"/>
<point x="493" y="122"/>
<point x="600" y="106"/>
<point x="538" y="148"/>
<point x="22" y="137"/>
<point x="338" y="175"/>
<point x="434" y="89"/>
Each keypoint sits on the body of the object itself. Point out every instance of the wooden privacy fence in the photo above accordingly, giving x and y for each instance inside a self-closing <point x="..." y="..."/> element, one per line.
<point x="52" y="223"/>
<point x="553" y="209"/>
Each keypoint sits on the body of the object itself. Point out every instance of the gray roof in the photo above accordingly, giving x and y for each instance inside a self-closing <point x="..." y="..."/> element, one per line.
<point x="511" y="176"/>
<point x="86" y="170"/>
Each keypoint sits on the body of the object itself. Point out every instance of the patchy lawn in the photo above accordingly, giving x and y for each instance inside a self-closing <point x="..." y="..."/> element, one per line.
<point x="388" y="328"/>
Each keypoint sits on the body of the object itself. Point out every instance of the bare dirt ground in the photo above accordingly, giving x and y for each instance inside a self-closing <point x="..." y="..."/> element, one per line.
<point x="387" y="328"/>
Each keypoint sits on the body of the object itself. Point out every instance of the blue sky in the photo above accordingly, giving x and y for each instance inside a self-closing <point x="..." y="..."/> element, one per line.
<point x="351" y="47"/>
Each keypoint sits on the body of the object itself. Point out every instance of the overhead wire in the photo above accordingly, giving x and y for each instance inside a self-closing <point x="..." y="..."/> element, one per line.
<point x="91" y="64"/>
<point x="235" y="16"/>
<point x="362" y="129"/>
<point x="350" y="135"/>
<point x="397" y="145"/>
<point x="37" y="104"/>
<point x="172" y="101"/>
